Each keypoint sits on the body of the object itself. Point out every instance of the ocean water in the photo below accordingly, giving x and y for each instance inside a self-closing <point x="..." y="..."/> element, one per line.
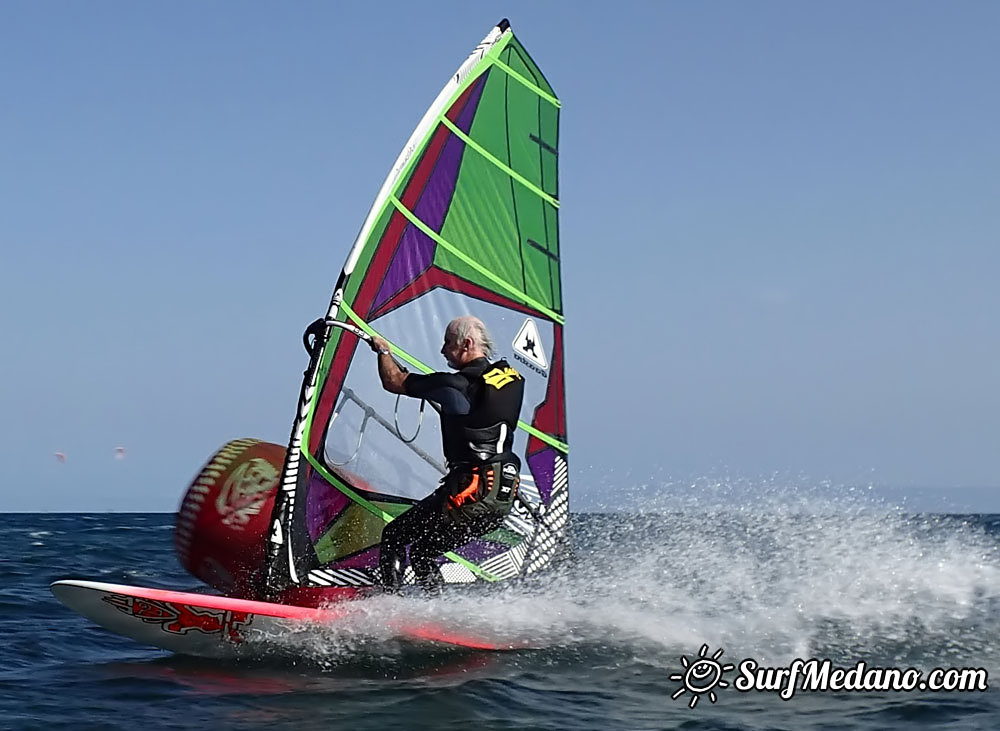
<point x="634" y="605"/>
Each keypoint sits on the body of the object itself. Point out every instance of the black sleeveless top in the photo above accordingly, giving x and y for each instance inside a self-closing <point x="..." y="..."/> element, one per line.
<point x="480" y="405"/>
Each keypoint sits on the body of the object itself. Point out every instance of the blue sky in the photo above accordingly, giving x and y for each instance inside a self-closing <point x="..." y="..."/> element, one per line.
<point x="779" y="223"/>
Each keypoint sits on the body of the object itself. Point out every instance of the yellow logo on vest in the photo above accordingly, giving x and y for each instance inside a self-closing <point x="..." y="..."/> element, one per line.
<point x="500" y="377"/>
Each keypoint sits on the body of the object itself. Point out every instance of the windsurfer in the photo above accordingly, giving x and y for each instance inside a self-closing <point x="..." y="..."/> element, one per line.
<point x="479" y="407"/>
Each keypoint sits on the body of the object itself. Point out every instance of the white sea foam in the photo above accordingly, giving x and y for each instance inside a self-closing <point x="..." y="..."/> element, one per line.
<point x="800" y="572"/>
<point x="792" y="572"/>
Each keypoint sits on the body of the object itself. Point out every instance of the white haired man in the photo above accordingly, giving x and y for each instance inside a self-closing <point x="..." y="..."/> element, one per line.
<point x="479" y="405"/>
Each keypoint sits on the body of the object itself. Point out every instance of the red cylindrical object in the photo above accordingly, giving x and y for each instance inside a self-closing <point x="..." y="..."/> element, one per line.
<point x="222" y="524"/>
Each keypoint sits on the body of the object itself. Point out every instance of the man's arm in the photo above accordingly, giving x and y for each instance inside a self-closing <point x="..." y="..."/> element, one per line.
<point x="392" y="376"/>
<point x="448" y="390"/>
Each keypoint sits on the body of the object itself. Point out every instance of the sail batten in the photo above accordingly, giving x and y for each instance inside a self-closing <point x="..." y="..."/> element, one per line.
<point x="503" y="284"/>
<point x="505" y="168"/>
<point x="528" y="84"/>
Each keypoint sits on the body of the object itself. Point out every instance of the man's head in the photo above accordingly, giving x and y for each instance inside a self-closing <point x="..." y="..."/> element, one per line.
<point x="465" y="339"/>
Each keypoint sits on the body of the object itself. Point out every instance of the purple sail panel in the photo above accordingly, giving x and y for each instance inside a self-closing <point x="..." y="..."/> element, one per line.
<point x="414" y="254"/>
<point x="436" y="196"/>
<point x="465" y="117"/>
<point x="479" y="550"/>
<point x="543" y="469"/>
<point x="324" y="504"/>
<point x="416" y="250"/>
<point x="365" y="560"/>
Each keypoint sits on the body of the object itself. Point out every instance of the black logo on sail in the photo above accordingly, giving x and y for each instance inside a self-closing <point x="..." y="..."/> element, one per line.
<point x="528" y="347"/>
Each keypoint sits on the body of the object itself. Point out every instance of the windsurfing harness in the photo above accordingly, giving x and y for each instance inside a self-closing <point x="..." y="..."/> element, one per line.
<point x="472" y="500"/>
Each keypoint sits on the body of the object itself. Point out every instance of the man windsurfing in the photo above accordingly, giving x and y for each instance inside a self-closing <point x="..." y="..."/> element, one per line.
<point x="479" y="406"/>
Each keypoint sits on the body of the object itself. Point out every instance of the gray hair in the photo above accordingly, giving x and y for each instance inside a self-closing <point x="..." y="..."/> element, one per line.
<point x="473" y="328"/>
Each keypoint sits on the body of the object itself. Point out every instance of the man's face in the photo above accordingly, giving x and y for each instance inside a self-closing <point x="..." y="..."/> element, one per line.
<point x="453" y="350"/>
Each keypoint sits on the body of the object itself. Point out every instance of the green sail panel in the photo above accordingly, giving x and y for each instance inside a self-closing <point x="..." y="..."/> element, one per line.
<point x="501" y="224"/>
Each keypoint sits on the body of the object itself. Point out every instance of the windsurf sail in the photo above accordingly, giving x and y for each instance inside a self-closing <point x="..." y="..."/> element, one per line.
<point x="467" y="222"/>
